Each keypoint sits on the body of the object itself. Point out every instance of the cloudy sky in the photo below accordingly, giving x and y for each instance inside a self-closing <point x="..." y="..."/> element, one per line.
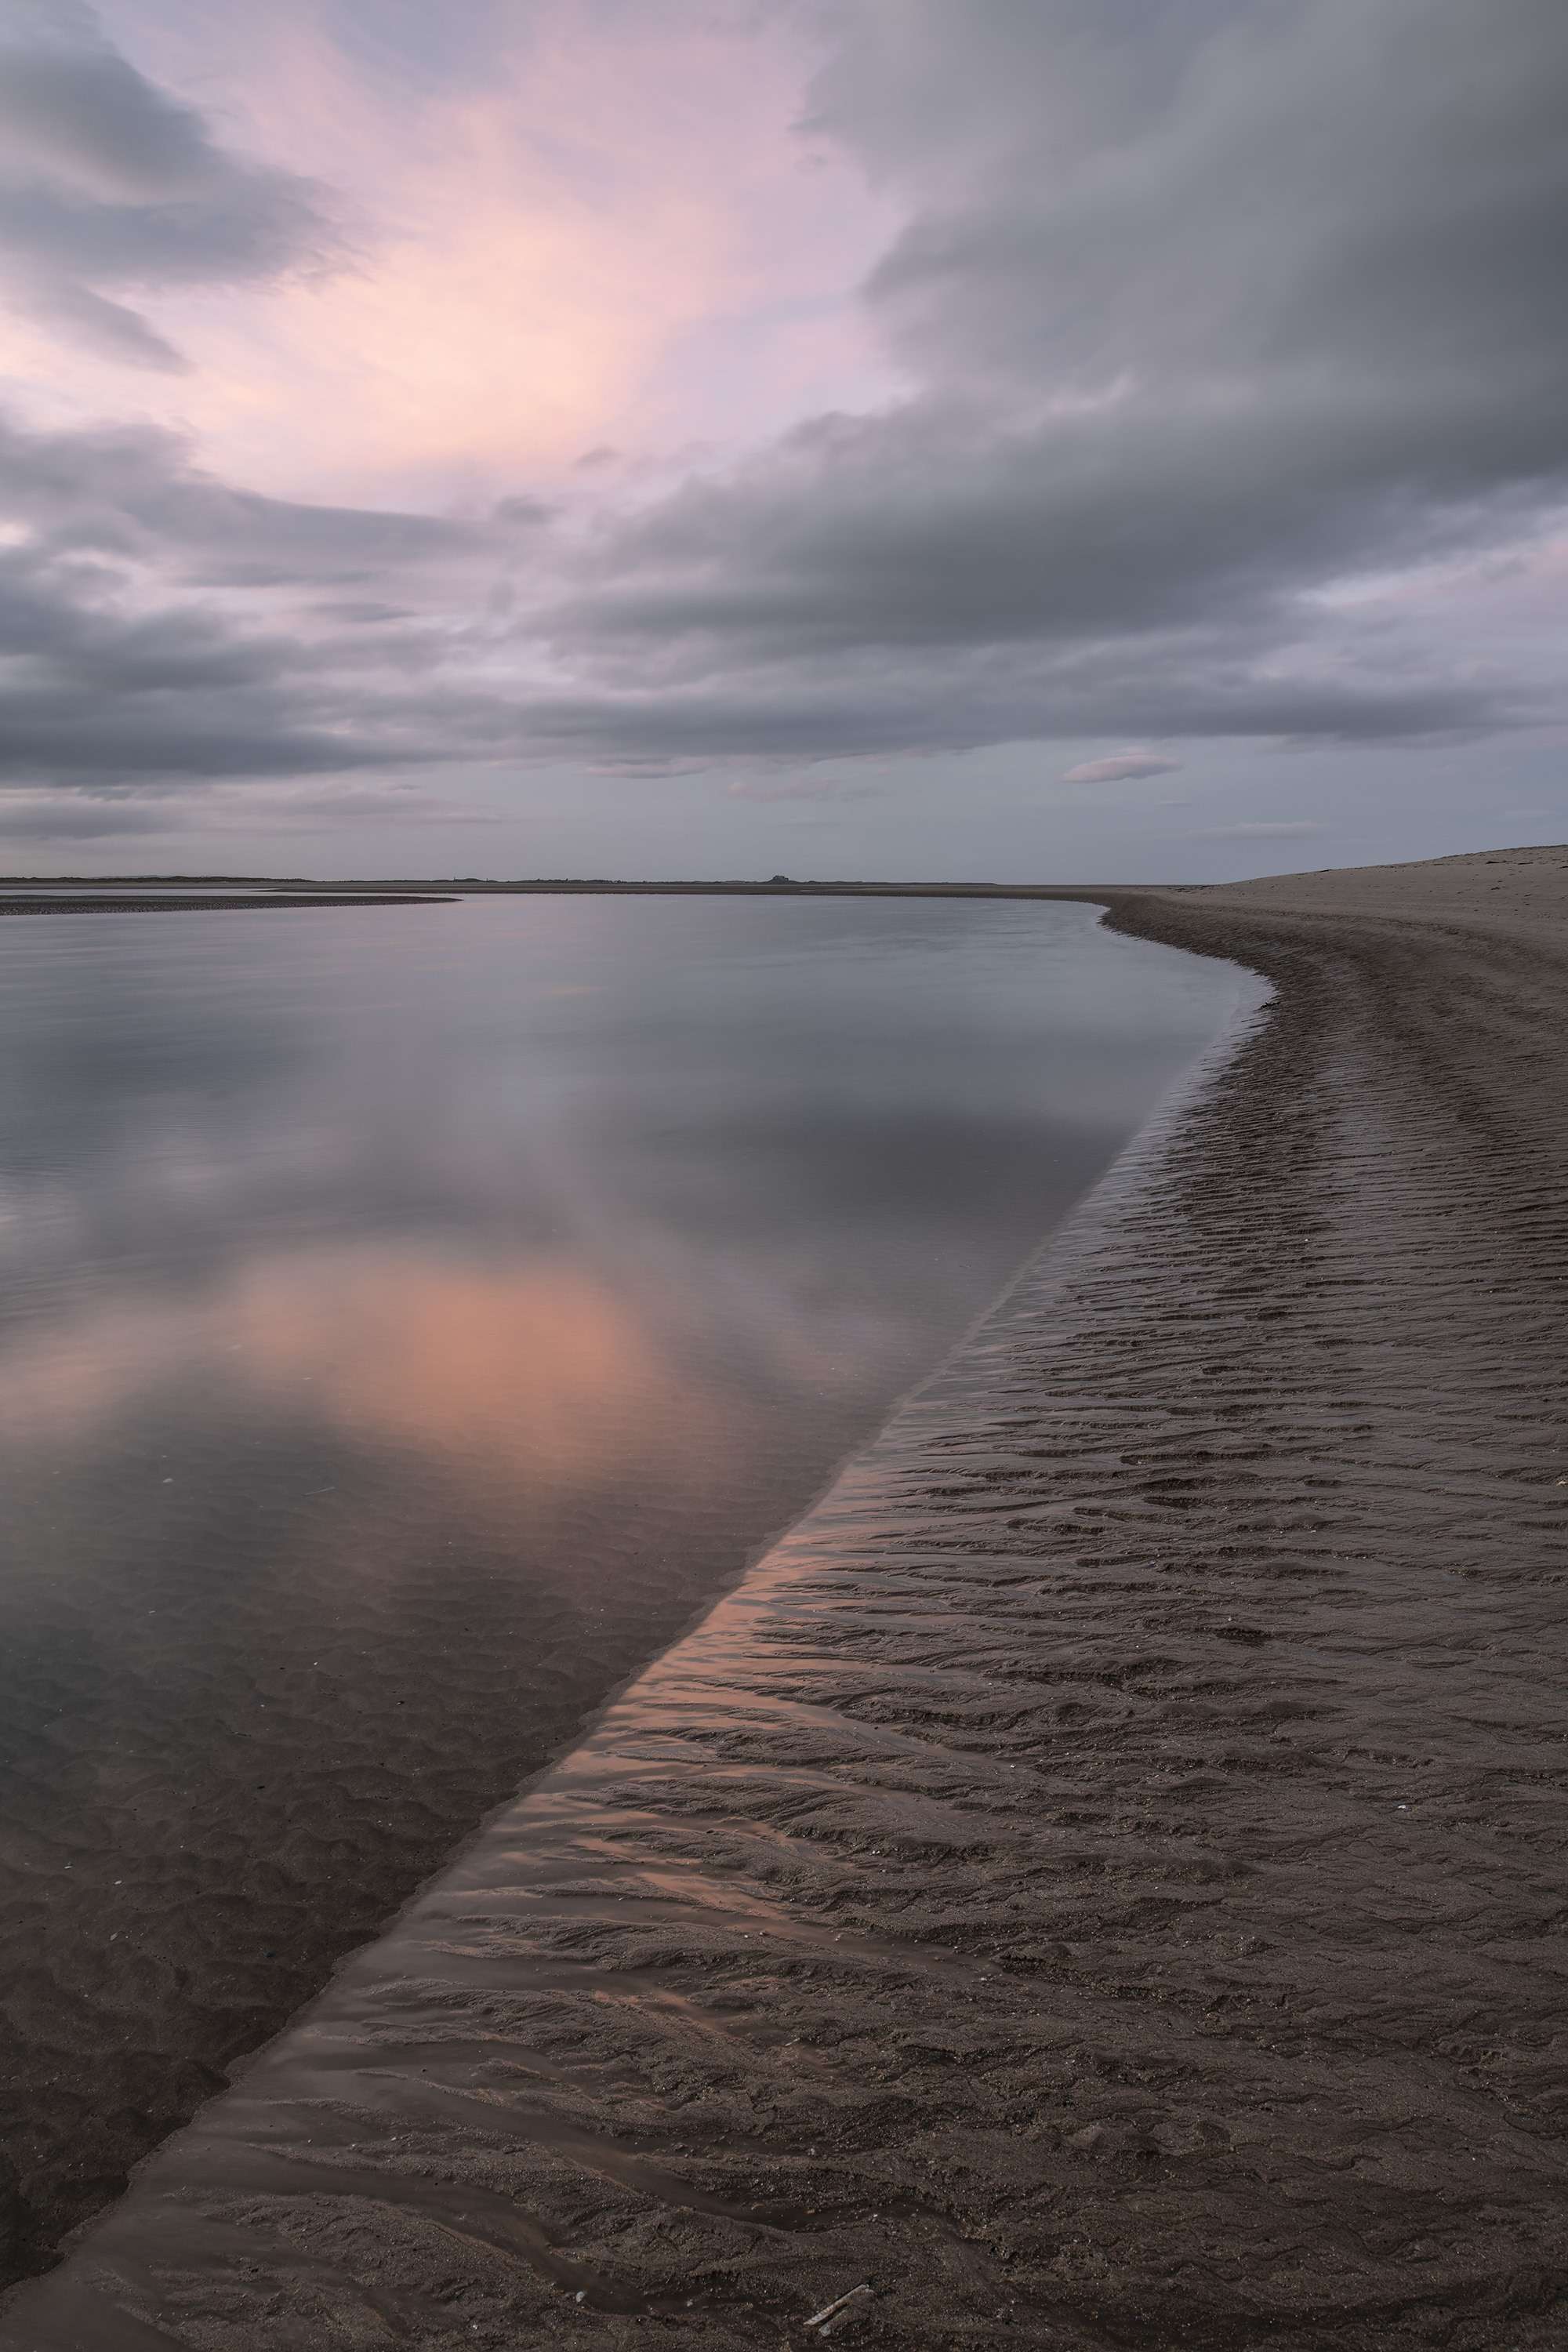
<point x="1046" y="439"/>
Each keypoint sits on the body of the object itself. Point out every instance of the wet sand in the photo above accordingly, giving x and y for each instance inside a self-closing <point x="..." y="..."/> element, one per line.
<point x="1099" y="1880"/>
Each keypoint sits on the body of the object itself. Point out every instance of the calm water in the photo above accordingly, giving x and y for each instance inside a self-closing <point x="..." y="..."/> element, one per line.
<point x="408" y="1317"/>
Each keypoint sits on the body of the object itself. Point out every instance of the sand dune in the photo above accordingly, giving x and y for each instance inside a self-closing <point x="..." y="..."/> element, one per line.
<point x="1099" y="1880"/>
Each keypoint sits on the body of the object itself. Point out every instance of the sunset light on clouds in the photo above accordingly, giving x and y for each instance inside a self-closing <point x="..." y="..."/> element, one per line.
<point x="600" y="226"/>
<point x="703" y="436"/>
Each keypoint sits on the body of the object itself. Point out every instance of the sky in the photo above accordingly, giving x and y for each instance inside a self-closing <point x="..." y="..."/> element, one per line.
<point x="1042" y="440"/>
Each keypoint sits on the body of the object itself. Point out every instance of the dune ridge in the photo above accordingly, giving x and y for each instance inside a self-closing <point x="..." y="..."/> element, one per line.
<point x="1098" y="1881"/>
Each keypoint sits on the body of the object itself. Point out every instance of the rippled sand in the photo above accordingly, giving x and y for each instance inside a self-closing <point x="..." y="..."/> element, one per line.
<point x="1099" y="1879"/>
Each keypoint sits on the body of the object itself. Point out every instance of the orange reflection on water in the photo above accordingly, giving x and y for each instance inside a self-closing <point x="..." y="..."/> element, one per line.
<point x="527" y="1367"/>
<point x="533" y="1362"/>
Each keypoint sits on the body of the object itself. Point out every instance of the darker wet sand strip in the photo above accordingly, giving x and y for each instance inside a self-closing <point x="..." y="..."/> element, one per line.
<point x="1099" y="1879"/>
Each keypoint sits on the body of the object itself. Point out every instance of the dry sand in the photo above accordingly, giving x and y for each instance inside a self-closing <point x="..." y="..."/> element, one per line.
<point x="1100" y="1879"/>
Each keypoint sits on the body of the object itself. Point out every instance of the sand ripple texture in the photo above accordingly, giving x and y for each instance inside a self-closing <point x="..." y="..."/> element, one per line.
<point x="1100" y="1879"/>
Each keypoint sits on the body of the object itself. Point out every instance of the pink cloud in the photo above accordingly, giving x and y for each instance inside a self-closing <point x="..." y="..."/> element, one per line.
<point x="597" y="230"/>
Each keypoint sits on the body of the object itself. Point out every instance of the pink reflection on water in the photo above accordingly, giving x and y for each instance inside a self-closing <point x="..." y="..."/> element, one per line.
<point x="526" y="1370"/>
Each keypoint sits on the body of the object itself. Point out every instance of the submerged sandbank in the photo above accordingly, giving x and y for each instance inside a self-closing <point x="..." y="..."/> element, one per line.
<point x="1099" y="1880"/>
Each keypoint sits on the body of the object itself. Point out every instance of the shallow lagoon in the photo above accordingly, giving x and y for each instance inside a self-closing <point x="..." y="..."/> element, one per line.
<point x="409" y="1318"/>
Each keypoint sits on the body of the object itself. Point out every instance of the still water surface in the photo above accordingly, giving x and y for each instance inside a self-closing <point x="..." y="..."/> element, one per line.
<point x="408" y="1317"/>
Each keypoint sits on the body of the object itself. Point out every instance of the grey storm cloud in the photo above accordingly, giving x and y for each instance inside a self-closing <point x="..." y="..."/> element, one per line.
<point x="1207" y="309"/>
<point x="824" y="711"/>
<point x="1204" y="309"/>
<point x="90" y="817"/>
<point x="75" y="816"/>
<point x="121" y="661"/>
<point x="108" y="187"/>
<point x="132" y="492"/>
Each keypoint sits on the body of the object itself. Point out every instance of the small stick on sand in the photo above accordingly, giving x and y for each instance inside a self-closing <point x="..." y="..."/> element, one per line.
<point x="828" y="2309"/>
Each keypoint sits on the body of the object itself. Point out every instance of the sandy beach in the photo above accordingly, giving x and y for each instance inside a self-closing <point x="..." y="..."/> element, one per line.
<point x="1097" y="1882"/>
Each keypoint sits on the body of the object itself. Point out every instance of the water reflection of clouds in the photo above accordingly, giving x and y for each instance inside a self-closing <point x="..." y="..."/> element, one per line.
<point x="529" y="1367"/>
<point x="547" y="1178"/>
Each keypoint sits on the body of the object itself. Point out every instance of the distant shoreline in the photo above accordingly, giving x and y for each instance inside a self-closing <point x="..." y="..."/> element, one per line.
<point x="566" y="887"/>
<point x="1330" y="890"/>
<point x="175" y="897"/>
<point x="193" y="903"/>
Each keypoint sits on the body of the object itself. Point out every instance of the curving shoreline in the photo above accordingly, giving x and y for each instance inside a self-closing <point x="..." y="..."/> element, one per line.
<point x="1100" y="1875"/>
